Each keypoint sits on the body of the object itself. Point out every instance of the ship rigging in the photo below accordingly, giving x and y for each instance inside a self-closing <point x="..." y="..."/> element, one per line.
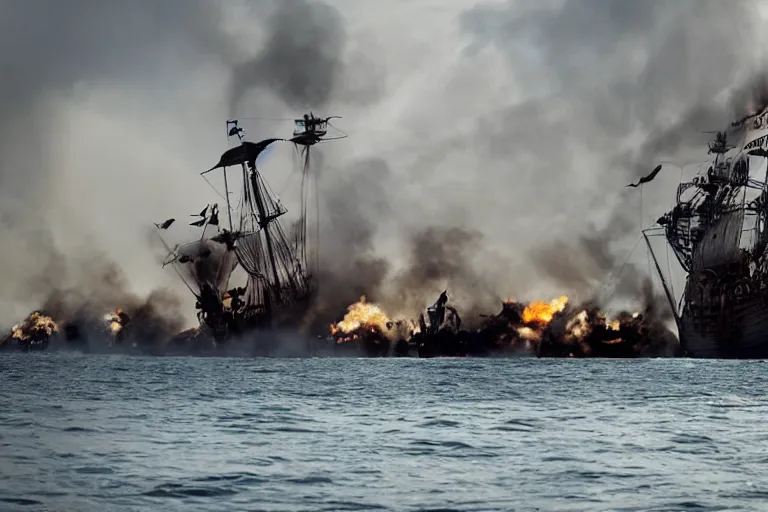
<point x="280" y="281"/>
<point x="718" y="232"/>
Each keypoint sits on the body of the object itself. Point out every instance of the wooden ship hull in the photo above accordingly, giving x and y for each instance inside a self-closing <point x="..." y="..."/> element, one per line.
<point x="734" y="325"/>
<point x="740" y="334"/>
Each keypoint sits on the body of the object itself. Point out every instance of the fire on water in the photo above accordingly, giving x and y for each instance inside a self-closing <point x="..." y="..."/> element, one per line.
<point x="553" y="328"/>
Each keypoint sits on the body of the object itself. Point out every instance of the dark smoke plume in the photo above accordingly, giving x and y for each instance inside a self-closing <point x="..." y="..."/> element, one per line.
<point x="51" y="52"/>
<point x="302" y="58"/>
<point x="350" y="267"/>
<point x="56" y="55"/>
<point x="442" y="258"/>
<point x="80" y="292"/>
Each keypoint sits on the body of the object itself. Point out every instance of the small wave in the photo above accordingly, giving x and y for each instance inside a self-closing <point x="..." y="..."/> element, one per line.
<point x="517" y="426"/>
<point x="351" y="505"/>
<point x="238" y="478"/>
<point x="685" y="505"/>
<point x="84" y="430"/>
<point x="184" y="491"/>
<point x="20" y="501"/>
<point x="440" y="423"/>
<point x="691" y="439"/>
<point x="296" y="430"/>
<point x="94" y="470"/>
<point x="310" y="480"/>
<point x="456" y="445"/>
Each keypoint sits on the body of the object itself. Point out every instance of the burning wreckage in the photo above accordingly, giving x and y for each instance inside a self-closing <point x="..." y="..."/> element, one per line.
<point x="40" y="330"/>
<point x="542" y="329"/>
<point x="280" y="288"/>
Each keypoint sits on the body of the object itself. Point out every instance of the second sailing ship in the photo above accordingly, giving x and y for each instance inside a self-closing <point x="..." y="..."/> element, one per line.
<point x="280" y="277"/>
<point x="718" y="230"/>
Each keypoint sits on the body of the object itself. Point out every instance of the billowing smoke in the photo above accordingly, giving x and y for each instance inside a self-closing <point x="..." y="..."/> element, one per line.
<point x="90" y="113"/>
<point x="350" y="266"/>
<point x="302" y="57"/>
<point x="443" y="259"/>
<point x="611" y="89"/>
<point x="79" y="293"/>
<point x="501" y="129"/>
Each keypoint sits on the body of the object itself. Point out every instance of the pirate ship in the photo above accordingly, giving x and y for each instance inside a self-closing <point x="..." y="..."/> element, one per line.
<point x="280" y="273"/>
<point x="718" y="231"/>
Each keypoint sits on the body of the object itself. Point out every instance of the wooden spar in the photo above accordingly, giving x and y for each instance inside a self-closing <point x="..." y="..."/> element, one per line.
<point x="226" y="195"/>
<point x="264" y="223"/>
<point x="667" y="292"/>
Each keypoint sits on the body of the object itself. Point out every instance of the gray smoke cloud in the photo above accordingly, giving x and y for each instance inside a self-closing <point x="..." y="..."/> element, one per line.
<point x="301" y="59"/>
<point x="54" y="53"/>
<point x="615" y="87"/>
<point x="518" y="123"/>
<point x="108" y="109"/>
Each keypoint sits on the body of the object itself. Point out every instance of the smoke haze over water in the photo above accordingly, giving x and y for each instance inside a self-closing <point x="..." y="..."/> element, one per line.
<point x="514" y="124"/>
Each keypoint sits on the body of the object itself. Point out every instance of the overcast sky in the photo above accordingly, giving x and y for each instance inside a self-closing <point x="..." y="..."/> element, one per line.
<point x="519" y="120"/>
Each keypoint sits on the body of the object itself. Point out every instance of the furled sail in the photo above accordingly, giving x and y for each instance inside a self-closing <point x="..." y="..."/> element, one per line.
<point x="248" y="252"/>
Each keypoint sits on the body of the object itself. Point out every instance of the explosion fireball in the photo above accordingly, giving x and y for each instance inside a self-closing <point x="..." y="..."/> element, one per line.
<point x="361" y="316"/>
<point x="34" y="333"/>
<point x="543" y="312"/>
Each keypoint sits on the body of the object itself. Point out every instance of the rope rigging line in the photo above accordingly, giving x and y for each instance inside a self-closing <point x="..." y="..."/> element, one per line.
<point x="648" y="255"/>
<point x="214" y="188"/>
<point x="611" y="280"/>
<point x="669" y="263"/>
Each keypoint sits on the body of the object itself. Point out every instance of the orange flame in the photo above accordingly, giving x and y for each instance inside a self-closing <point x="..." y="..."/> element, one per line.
<point x="36" y="323"/>
<point x="543" y="312"/>
<point x="115" y="320"/>
<point x="362" y="314"/>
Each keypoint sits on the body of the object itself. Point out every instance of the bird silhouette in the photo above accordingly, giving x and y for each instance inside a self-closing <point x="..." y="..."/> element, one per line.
<point x="166" y="224"/>
<point x="646" y="179"/>
<point x="202" y="213"/>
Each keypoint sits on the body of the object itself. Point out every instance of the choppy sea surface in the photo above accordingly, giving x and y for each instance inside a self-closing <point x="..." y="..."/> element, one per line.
<point x="108" y="433"/>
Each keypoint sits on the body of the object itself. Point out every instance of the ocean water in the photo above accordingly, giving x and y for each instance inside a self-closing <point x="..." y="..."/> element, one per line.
<point x="108" y="433"/>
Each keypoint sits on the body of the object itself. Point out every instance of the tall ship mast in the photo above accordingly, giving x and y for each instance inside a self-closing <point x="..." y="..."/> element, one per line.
<point x="718" y="231"/>
<point x="280" y="278"/>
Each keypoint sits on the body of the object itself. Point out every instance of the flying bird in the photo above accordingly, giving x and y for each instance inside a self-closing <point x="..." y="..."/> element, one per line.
<point x="646" y="179"/>
<point x="202" y="213"/>
<point x="198" y="223"/>
<point x="166" y="224"/>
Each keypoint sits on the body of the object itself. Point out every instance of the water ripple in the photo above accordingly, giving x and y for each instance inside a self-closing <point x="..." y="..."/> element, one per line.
<point x="180" y="434"/>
